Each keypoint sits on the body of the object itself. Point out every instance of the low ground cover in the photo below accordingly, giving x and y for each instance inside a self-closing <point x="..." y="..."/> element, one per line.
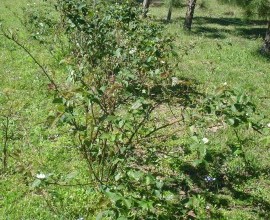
<point x="211" y="162"/>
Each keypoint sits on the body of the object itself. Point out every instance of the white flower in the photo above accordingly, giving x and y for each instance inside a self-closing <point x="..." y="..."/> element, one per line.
<point x="209" y="179"/>
<point x="268" y="125"/>
<point x="132" y="51"/>
<point x="41" y="176"/>
<point x="205" y="140"/>
<point x="175" y="81"/>
<point x="225" y="84"/>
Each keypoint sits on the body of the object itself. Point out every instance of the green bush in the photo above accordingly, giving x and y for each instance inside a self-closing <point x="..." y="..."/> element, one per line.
<point x="115" y="64"/>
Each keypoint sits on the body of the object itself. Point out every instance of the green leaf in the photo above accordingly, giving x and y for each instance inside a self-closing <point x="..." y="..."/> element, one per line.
<point x="145" y="205"/>
<point x="202" y="151"/>
<point x="118" y="53"/>
<point x="103" y="214"/>
<point x="121" y="123"/>
<point x="58" y="100"/>
<point x="61" y="108"/>
<point x="169" y="196"/>
<point x="122" y="218"/>
<point x="114" y="196"/>
<point x="159" y="184"/>
<point x="149" y="180"/>
<point x="233" y="108"/>
<point x="71" y="175"/>
<point x="158" y="194"/>
<point x="150" y="59"/>
<point x="136" y="105"/>
<point x="231" y="121"/>
<point x="118" y="176"/>
<point x="36" y="183"/>
<point x="137" y="175"/>
<point x="128" y="203"/>
<point x="195" y="138"/>
<point x="197" y="162"/>
<point x="81" y="6"/>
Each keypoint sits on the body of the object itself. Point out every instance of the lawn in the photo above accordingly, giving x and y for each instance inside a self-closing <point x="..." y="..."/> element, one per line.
<point x="221" y="51"/>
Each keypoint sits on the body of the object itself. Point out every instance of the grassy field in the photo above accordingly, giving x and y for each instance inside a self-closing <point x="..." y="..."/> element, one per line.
<point x="221" y="50"/>
<point x="222" y="47"/>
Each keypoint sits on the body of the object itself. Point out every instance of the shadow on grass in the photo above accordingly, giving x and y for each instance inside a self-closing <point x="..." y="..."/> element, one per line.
<point x="183" y="92"/>
<point x="224" y="21"/>
<point x="213" y="32"/>
<point x="251" y="32"/>
<point x="263" y="55"/>
<point x="244" y="28"/>
<point x="209" y="32"/>
<point x="213" y="191"/>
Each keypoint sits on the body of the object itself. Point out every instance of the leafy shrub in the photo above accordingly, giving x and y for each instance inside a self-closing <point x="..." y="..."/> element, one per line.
<point x="116" y="62"/>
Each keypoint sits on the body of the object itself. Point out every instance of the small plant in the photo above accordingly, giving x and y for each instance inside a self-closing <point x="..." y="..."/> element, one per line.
<point x="39" y="22"/>
<point x="9" y="120"/>
<point x="116" y="61"/>
<point x="115" y="64"/>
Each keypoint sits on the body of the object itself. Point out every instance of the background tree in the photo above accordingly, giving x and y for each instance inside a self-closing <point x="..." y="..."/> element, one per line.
<point x="189" y="14"/>
<point x="146" y="4"/>
<point x="266" y="46"/>
<point x="171" y="4"/>
<point x="169" y="15"/>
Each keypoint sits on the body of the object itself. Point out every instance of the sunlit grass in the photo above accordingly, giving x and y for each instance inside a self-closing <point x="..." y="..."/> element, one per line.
<point x="221" y="48"/>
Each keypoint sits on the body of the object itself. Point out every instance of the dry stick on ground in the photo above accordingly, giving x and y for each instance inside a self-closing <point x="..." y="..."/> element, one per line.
<point x="189" y="14"/>
<point x="161" y="127"/>
<point x="5" y="152"/>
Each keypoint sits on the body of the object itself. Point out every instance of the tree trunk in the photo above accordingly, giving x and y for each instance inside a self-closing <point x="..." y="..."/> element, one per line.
<point x="189" y="14"/>
<point x="146" y="4"/>
<point x="169" y="15"/>
<point x="266" y="45"/>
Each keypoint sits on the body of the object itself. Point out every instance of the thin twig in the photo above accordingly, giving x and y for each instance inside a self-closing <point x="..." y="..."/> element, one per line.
<point x="6" y="127"/>
<point x="140" y="125"/>
<point x="13" y="39"/>
<point x="161" y="127"/>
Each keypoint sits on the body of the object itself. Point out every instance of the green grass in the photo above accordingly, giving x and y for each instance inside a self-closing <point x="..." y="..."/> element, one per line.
<point x="221" y="48"/>
<point x="34" y="148"/>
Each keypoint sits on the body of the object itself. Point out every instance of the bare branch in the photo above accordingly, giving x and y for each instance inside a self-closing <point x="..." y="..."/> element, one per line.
<point x="13" y="38"/>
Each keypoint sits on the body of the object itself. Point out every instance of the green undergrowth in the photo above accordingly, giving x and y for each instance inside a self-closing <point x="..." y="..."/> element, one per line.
<point x="210" y="163"/>
<point x="222" y="47"/>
